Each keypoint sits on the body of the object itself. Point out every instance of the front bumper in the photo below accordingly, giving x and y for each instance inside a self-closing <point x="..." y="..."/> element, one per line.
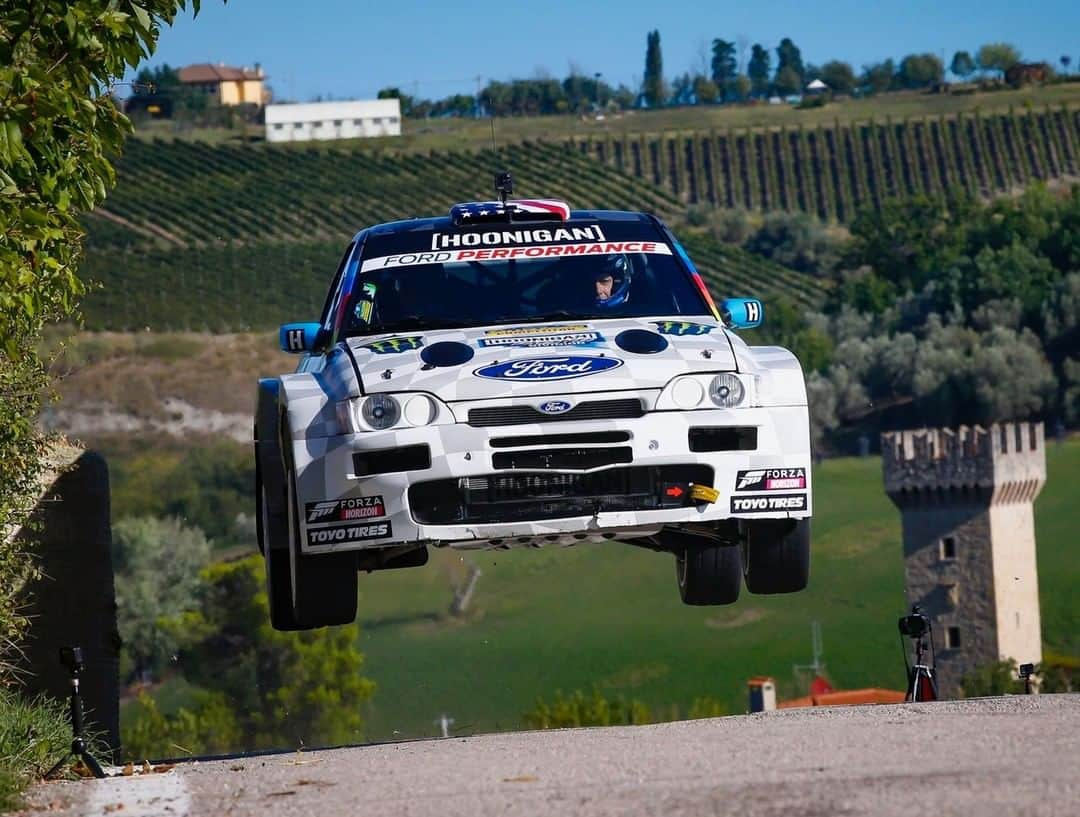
<point x="479" y="487"/>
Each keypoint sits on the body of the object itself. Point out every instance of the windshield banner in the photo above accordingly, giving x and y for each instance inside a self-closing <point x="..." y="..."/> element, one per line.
<point x="512" y="253"/>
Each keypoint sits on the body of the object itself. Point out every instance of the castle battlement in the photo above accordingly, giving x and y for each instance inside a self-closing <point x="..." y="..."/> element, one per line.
<point x="1003" y="463"/>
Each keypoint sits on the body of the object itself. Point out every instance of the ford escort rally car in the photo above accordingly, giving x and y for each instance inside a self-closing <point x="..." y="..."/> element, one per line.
<point x="518" y="374"/>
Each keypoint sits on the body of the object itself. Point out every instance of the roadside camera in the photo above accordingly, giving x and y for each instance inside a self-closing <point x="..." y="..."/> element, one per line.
<point x="915" y="625"/>
<point x="72" y="659"/>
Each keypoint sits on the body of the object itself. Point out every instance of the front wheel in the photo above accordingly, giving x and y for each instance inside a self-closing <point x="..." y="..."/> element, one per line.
<point x="777" y="557"/>
<point x="323" y="585"/>
<point x="709" y="575"/>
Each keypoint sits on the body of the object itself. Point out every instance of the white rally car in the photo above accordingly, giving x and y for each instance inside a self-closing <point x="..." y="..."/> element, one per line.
<point x="518" y="374"/>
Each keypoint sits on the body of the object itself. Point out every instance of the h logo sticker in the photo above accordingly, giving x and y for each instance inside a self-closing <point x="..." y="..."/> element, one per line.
<point x="295" y="339"/>
<point x="753" y="311"/>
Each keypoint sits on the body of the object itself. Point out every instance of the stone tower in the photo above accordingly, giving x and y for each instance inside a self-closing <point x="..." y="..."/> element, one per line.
<point x="966" y="497"/>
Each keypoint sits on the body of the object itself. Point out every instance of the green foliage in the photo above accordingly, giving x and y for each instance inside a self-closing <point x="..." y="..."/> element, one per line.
<point x="790" y="71"/>
<point x="759" y="69"/>
<point x="580" y="709"/>
<point x="157" y="563"/>
<point x="654" y="88"/>
<point x="207" y="487"/>
<point x="724" y="64"/>
<point x="962" y="65"/>
<point x="839" y="76"/>
<point x="919" y="71"/>
<point x="290" y="689"/>
<point x="786" y="325"/>
<point x="209" y="726"/>
<point x="796" y="241"/>
<point x="999" y="678"/>
<point x="877" y="77"/>
<point x="34" y="734"/>
<point x="997" y="57"/>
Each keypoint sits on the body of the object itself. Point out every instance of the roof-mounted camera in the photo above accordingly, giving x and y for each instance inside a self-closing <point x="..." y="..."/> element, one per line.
<point x="504" y="185"/>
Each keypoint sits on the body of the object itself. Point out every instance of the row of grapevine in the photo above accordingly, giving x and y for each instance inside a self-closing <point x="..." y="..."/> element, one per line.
<point x="832" y="172"/>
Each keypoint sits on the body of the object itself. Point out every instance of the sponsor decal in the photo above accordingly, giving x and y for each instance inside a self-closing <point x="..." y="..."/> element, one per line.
<point x="349" y="533"/>
<point x="555" y="407"/>
<point x="505" y="238"/>
<point x="344" y="510"/>
<point x="535" y="330"/>
<point x="771" y="479"/>
<point x="769" y="502"/>
<point x="510" y="253"/>
<point x="391" y="346"/>
<point x="682" y="328"/>
<point x="535" y="341"/>
<point x="548" y="368"/>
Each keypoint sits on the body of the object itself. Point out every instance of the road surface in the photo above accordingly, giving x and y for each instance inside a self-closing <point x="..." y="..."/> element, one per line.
<point x="992" y="756"/>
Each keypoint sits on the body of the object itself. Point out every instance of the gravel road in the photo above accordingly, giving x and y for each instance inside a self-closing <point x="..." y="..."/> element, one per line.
<point x="991" y="756"/>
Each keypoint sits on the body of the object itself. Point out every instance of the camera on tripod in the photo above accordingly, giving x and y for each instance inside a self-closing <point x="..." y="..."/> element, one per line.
<point x="915" y="625"/>
<point x="72" y="659"/>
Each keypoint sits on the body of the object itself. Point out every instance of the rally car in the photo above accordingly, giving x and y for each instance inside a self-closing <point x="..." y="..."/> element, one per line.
<point x="520" y="374"/>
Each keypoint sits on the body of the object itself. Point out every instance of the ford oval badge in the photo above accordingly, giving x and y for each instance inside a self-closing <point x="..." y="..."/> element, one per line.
<point x="548" y="368"/>
<point x="555" y="407"/>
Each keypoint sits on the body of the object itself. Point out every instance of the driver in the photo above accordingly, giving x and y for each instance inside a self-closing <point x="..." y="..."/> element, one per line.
<point x="611" y="281"/>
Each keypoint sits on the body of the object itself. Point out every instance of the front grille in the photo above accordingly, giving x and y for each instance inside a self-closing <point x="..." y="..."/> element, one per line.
<point x="526" y="440"/>
<point x="505" y="497"/>
<point x="579" y="458"/>
<point x="625" y="408"/>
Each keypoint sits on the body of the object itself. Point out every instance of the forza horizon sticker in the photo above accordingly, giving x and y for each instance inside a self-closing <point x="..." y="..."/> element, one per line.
<point x="770" y="502"/>
<point x="771" y="479"/>
<point x="344" y="510"/>
<point x="344" y="534"/>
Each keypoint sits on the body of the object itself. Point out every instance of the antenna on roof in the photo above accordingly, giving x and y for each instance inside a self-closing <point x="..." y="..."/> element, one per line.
<point x="504" y="182"/>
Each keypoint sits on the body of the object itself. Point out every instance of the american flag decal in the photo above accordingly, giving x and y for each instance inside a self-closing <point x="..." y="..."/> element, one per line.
<point x="472" y="210"/>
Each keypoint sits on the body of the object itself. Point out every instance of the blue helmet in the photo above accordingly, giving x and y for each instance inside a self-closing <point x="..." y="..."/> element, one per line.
<point x="617" y="267"/>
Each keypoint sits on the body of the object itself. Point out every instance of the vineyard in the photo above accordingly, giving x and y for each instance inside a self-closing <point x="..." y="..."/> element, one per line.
<point x="832" y="172"/>
<point x="244" y="237"/>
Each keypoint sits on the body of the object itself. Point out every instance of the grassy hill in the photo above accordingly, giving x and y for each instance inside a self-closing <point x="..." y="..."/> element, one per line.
<point x="610" y="616"/>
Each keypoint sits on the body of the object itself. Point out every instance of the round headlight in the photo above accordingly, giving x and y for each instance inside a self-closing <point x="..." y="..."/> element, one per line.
<point x="726" y="390"/>
<point x="419" y="410"/>
<point x="687" y="393"/>
<point x="381" y="411"/>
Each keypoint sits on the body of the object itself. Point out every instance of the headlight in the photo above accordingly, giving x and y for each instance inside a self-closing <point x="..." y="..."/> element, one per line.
<point x="381" y="411"/>
<point x="419" y="410"/>
<point x="687" y="393"/>
<point x="726" y="390"/>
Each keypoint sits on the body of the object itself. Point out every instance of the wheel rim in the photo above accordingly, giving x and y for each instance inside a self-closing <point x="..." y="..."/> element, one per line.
<point x="681" y="567"/>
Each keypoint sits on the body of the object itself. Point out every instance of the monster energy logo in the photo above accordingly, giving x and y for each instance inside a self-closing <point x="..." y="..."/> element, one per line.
<point x="392" y="346"/>
<point x="682" y="328"/>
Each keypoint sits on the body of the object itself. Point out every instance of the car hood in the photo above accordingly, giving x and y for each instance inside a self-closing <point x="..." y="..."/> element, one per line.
<point x="567" y="357"/>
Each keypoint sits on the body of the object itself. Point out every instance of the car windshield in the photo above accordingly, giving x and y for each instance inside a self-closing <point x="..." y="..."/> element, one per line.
<point x="400" y="288"/>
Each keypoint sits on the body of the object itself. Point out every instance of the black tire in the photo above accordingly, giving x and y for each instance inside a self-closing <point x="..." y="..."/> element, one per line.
<point x="777" y="558"/>
<point x="323" y="585"/>
<point x="709" y="575"/>
<point x="278" y="578"/>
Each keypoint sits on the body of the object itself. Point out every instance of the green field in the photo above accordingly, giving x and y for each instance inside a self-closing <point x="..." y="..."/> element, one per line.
<point x="609" y="616"/>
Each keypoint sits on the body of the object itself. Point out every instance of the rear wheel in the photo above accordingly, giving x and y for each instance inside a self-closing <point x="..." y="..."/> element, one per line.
<point x="709" y="575"/>
<point x="777" y="555"/>
<point x="324" y="585"/>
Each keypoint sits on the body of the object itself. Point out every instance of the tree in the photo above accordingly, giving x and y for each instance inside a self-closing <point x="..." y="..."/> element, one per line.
<point x="962" y="65"/>
<point x="1066" y="61"/>
<point x="654" y="89"/>
<point x="877" y="77"/>
<point x="406" y="101"/>
<point x="789" y="57"/>
<point x="920" y="71"/>
<point x="58" y="128"/>
<point x="705" y="90"/>
<point x="759" y="70"/>
<point x="997" y="57"/>
<point x="787" y="81"/>
<point x="740" y="88"/>
<point x="157" y="563"/>
<point x="723" y="65"/>
<point x="839" y="76"/>
<point x="286" y="688"/>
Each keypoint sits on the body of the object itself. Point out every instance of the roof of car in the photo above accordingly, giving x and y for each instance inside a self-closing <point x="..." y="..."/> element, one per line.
<point x="444" y="223"/>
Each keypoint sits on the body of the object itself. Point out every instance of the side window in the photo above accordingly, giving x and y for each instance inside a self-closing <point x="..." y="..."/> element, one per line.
<point x="326" y="316"/>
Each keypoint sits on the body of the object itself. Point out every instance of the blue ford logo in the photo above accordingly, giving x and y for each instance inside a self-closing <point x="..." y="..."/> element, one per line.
<point x="555" y="407"/>
<point x="548" y="368"/>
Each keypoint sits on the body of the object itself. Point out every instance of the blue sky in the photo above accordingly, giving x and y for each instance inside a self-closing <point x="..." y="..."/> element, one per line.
<point x="341" y="49"/>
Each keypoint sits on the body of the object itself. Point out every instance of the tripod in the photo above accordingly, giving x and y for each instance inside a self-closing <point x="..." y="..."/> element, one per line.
<point x="72" y="658"/>
<point x="921" y="684"/>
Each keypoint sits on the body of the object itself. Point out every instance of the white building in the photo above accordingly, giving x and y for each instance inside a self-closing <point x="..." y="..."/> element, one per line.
<point x="333" y="120"/>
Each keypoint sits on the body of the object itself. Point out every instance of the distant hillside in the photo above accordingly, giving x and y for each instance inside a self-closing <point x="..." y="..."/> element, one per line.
<point x="832" y="171"/>
<point x="238" y="237"/>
